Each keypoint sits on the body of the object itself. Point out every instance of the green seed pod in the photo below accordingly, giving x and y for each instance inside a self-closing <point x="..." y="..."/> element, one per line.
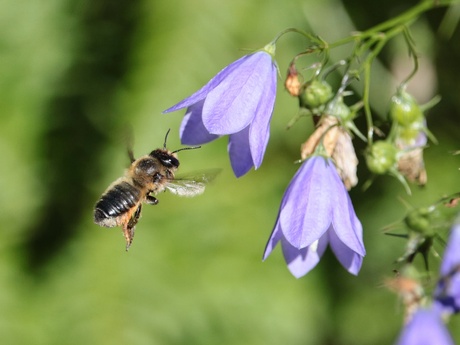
<point x="340" y="110"/>
<point x="316" y="93"/>
<point x="418" y="220"/>
<point x="411" y="132"/>
<point x="381" y="157"/>
<point x="404" y="109"/>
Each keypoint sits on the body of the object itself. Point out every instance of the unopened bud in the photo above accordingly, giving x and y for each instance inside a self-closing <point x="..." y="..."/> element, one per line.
<point x="339" y="109"/>
<point x="381" y="157"/>
<point x="418" y="220"/>
<point x="292" y="82"/>
<point x="316" y="93"/>
<point x="404" y="109"/>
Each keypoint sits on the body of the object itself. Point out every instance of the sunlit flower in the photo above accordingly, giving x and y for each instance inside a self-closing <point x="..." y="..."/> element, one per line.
<point x="316" y="211"/>
<point x="237" y="102"/>
<point x="447" y="294"/>
<point x="426" y="327"/>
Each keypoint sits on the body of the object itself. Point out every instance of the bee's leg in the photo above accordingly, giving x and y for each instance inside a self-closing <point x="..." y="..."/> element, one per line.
<point x="151" y="200"/>
<point x="130" y="226"/>
<point x="128" y="233"/>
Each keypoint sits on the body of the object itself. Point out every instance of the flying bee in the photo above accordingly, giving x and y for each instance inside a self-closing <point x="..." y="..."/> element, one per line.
<point x="121" y="203"/>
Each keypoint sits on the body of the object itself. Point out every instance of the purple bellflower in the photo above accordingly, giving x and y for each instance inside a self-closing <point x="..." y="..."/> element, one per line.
<point x="425" y="328"/>
<point x="316" y="211"/>
<point x="237" y="102"/>
<point x="447" y="293"/>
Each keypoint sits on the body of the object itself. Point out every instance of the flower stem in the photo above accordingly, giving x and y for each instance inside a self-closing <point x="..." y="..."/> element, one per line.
<point x="303" y="33"/>
<point x="403" y="19"/>
<point x="382" y="39"/>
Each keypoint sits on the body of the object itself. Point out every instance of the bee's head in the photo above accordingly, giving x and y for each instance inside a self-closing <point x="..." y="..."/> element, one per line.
<point x="168" y="159"/>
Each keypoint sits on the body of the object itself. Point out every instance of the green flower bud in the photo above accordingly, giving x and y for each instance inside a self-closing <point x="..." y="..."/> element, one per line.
<point x="381" y="157"/>
<point x="404" y="109"/>
<point x="418" y="220"/>
<point x="410" y="132"/>
<point x="316" y="93"/>
<point x="340" y="110"/>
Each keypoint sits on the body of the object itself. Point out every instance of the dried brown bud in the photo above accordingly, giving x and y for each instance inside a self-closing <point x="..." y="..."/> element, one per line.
<point x="292" y="82"/>
<point x="410" y="162"/>
<point x="338" y="145"/>
<point x="409" y="291"/>
<point x="327" y="132"/>
<point x="411" y="165"/>
<point x="345" y="159"/>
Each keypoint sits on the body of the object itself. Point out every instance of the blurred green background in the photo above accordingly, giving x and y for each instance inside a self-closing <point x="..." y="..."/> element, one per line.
<point x="78" y="76"/>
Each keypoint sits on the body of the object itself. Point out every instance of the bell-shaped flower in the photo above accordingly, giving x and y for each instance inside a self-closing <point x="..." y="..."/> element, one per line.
<point x="316" y="211"/>
<point x="237" y="102"/>
<point x="425" y="327"/>
<point x="447" y="293"/>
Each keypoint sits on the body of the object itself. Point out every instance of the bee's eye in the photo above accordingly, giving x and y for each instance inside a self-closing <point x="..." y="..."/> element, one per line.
<point x="169" y="161"/>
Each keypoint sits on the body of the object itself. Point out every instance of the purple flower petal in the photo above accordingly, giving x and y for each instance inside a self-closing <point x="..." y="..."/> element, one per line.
<point x="316" y="210"/>
<point x="232" y="105"/>
<point x="258" y="141"/>
<point x="452" y="253"/>
<point x="302" y="261"/>
<point x="275" y="237"/>
<point x="238" y="102"/>
<point x="421" y="139"/>
<point x="346" y="225"/>
<point x="307" y="214"/>
<point x="425" y="328"/>
<point x="349" y="259"/>
<point x="240" y="153"/>
<point x="447" y="293"/>
<point x="201" y="93"/>
<point x="259" y="132"/>
<point x="192" y="130"/>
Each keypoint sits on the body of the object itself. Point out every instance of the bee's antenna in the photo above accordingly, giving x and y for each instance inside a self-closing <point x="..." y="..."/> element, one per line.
<point x="182" y="149"/>
<point x="187" y="148"/>
<point x="166" y="138"/>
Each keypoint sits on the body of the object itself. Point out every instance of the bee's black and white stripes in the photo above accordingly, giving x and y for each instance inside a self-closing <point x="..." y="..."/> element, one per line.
<point x="116" y="201"/>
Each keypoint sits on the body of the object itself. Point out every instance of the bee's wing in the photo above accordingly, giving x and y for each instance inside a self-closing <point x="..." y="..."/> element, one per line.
<point x="185" y="187"/>
<point x="193" y="184"/>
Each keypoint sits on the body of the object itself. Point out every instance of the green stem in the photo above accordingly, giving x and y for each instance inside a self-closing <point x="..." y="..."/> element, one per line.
<point x="303" y="33"/>
<point x="365" y="41"/>
<point x="383" y="39"/>
<point x="403" y="18"/>
<point x="367" y="107"/>
<point x="412" y="53"/>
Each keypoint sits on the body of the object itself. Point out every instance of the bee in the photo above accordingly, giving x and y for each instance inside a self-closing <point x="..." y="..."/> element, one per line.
<point x="121" y="203"/>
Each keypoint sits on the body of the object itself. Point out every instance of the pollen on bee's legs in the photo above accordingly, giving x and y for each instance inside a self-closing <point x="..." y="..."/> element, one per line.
<point x="129" y="241"/>
<point x="129" y="235"/>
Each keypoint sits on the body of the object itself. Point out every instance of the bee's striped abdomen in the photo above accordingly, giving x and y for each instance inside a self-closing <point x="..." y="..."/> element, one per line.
<point x="115" y="202"/>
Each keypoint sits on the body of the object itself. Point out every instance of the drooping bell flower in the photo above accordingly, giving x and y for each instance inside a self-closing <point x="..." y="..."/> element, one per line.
<point x="316" y="211"/>
<point x="237" y="102"/>
<point x="425" y="327"/>
<point x="447" y="293"/>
